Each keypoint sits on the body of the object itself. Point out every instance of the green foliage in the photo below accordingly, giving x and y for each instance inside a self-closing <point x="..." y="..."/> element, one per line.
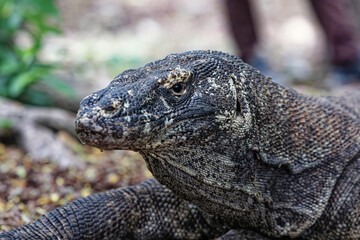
<point x="5" y="124"/>
<point x="23" y="25"/>
<point x="120" y="63"/>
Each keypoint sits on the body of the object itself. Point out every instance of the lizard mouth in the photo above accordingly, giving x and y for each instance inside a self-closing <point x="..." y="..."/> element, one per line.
<point x="89" y="137"/>
<point x="89" y="132"/>
<point x="122" y="134"/>
<point x="99" y="141"/>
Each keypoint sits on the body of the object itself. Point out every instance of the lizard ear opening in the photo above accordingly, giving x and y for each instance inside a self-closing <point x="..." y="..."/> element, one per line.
<point x="242" y="104"/>
<point x="243" y="114"/>
<point x="233" y="83"/>
<point x="238" y="109"/>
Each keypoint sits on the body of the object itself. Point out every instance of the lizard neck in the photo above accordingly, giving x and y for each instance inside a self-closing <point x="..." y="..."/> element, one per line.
<point x="293" y="130"/>
<point x="217" y="178"/>
<point x="298" y="138"/>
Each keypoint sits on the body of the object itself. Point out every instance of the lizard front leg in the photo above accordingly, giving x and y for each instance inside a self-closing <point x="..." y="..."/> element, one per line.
<point x="148" y="210"/>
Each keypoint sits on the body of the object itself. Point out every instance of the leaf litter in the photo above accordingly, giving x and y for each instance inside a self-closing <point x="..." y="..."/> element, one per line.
<point x="29" y="189"/>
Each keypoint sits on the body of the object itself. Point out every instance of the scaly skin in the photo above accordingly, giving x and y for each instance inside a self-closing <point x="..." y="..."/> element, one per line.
<point x="234" y="149"/>
<point x="148" y="210"/>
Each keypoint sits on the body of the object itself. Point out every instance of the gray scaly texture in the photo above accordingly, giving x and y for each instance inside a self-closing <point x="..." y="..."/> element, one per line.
<point x="231" y="150"/>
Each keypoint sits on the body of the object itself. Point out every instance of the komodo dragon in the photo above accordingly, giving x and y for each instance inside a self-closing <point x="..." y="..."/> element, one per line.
<point x="230" y="149"/>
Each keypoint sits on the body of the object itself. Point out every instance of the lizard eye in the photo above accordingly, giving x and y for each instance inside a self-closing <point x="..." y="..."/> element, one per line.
<point x="178" y="89"/>
<point x="109" y="109"/>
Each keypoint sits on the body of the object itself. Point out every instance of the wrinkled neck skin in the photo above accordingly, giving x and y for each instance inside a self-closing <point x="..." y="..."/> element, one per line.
<point x="252" y="176"/>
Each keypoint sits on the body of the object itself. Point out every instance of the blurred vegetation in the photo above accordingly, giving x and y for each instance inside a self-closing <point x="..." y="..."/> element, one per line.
<point x="23" y="26"/>
<point x="5" y="124"/>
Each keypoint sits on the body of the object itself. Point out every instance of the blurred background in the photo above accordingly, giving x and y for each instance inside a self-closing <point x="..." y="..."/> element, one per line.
<point x="53" y="53"/>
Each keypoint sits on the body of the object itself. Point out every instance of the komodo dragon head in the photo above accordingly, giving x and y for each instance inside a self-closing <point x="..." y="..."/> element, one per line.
<point x="172" y="103"/>
<point x="228" y="139"/>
